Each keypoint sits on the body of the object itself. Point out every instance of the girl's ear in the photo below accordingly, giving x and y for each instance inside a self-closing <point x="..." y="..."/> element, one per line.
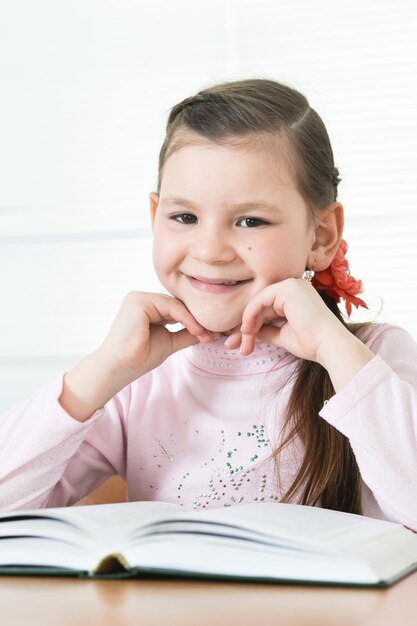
<point x="328" y="235"/>
<point x="154" y="199"/>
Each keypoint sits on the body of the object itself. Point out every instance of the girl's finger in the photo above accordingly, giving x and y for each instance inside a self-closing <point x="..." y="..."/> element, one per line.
<point x="269" y="334"/>
<point x="233" y="341"/>
<point x="182" y="339"/>
<point x="247" y="344"/>
<point x="259" y="310"/>
<point x="265" y="316"/>
<point x="175" y="312"/>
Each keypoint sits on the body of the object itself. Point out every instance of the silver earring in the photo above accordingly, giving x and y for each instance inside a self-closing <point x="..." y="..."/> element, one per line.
<point x="308" y="275"/>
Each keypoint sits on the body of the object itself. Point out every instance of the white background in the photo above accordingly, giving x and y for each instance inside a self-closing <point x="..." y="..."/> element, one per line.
<point x="86" y="86"/>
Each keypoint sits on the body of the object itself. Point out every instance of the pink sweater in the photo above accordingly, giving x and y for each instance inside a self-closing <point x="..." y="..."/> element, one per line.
<point x="198" y="430"/>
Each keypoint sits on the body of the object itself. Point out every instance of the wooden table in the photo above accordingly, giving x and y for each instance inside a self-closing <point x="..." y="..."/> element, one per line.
<point x="32" y="601"/>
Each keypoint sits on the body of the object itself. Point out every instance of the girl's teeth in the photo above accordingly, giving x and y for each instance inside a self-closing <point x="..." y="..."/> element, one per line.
<point x="232" y="282"/>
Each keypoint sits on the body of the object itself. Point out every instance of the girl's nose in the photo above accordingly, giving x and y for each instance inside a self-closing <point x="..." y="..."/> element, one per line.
<point x="212" y="246"/>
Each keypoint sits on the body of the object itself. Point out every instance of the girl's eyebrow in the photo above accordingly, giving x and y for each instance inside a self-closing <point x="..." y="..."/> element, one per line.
<point x="242" y="206"/>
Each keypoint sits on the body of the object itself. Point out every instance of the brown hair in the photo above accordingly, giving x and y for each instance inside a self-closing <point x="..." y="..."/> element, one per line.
<point x="251" y="110"/>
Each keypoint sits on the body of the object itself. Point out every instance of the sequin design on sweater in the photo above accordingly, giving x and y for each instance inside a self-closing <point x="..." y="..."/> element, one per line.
<point x="228" y="481"/>
<point x="233" y="474"/>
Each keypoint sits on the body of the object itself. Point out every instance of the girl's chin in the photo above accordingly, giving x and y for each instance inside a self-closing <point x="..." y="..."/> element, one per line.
<point x="218" y="326"/>
<point x="213" y="318"/>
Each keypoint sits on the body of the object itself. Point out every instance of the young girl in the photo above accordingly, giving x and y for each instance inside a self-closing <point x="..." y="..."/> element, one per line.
<point x="265" y="394"/>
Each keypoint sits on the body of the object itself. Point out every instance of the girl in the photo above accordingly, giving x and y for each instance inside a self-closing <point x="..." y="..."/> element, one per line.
<point x="265" y="394"/>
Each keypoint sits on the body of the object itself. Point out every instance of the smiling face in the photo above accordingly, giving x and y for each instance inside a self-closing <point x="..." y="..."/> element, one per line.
<point x="228" y="222"/>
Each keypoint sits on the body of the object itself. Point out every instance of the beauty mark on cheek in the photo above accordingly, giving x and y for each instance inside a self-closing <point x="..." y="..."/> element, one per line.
<point x="249" y="247"/>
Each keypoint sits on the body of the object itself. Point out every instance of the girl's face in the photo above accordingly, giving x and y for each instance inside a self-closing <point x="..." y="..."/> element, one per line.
<point x="228" y="222"/>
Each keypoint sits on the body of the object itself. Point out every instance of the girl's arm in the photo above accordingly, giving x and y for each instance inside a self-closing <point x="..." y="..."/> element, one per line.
<point x="50" y="459"/>
<point x="67" y="438"/>
<point x="377" y="411"/>
<point x="375" y="404"/>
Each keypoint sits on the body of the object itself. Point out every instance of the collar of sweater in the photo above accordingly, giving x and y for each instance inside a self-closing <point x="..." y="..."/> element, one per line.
<point x="215" y="358"/>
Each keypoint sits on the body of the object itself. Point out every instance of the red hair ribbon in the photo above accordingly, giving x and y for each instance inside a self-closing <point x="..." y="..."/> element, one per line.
<point x="337" y="282"/>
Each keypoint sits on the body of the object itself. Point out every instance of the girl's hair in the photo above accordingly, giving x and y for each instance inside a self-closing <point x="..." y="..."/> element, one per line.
<point x="260" y="110"/>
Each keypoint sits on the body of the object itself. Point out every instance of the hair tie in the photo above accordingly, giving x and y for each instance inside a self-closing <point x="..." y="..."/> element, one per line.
<point x="337" y="282"/>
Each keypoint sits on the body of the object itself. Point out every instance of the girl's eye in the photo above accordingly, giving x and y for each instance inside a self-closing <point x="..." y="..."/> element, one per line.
<point x="251" y="222"/>
<point x="185" y="218"/>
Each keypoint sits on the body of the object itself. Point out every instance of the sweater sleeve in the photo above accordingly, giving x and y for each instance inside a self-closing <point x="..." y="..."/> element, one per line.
<point x="377" y="412"/>
<point x="50" y="459"/>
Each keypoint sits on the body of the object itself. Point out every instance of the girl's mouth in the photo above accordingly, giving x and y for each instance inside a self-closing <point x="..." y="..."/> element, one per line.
<point x="215" y="286"/>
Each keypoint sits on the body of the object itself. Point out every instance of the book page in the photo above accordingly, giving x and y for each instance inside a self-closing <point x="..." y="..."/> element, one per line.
<point x="289" y="524"/>
<point x="303" y="527"/>
<point x="106" y="516"/>
<point x="106" y="527"/>
<point x="70" y="537"/>
<point x="108" y="524"/>
<point x="85" y="526"/>
<point x="145" y="533"/>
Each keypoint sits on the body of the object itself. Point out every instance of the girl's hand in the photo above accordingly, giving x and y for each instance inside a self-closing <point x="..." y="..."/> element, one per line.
<point x="309" y="329"/>
<point x="138" y="340"/>
<point x="306" y="321"/>
<point x="136" y="343"/>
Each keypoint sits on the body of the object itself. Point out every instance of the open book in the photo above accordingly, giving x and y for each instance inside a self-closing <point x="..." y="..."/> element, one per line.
<point x="267" y="542"/>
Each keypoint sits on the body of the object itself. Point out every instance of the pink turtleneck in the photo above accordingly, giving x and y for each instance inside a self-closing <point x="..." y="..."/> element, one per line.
<point x="198" y="431"/>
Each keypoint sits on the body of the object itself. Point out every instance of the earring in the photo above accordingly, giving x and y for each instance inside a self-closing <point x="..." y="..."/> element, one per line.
<point x="308" y="274"/>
